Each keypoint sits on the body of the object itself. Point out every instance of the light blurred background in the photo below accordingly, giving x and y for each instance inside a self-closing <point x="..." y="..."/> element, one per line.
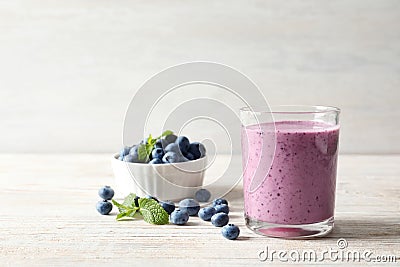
<point x="68" y="69"/>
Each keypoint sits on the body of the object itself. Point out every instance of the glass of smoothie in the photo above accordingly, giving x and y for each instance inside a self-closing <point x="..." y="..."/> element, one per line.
<point x="289" y="156"/>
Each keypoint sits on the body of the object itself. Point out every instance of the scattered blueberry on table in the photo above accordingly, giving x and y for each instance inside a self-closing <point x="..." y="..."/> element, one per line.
<point x="206" y="213"/>
<point x="220" y="201"/>
<point x="217" y="214"/>
<point x="230" y="231"/>
<point x="168" y="206"/>
<point x="222" y="208"/>
<point x="220" y="219"/>
<point x="104" y="207"/>
<point x="179" y="217"/>
<point x="189" y="205"/>
<point x="106" y="192"/>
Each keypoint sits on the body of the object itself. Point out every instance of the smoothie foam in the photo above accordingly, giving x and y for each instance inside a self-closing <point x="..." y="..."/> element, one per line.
<point x="299" y="186"/>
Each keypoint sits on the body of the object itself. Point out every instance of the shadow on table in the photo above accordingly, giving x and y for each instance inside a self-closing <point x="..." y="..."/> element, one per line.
<point x="367" y="228"/>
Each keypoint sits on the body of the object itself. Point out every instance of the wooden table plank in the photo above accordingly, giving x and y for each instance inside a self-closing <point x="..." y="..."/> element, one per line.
<point x="48" y="217"/>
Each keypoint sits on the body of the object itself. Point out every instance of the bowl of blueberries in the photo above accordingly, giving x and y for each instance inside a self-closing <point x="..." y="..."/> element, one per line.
<point x="167" y="167"/>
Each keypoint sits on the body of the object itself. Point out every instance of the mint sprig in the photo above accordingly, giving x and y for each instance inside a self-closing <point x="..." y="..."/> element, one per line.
<point x="127" y="209"/>
<point x="152" y="212"/>
<point x="144" y="150"/>
<point x="150" y="209"/>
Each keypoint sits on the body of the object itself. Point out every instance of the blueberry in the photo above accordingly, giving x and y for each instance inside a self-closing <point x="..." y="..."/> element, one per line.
<point x="124" y="151"/>
<point x="161" y="143"/>
<point x="170" y="138"/>
<point x="168" y="206"/>
<point x="151" y="197"/>
<point x="106" y="192"/>
<point x="197" y="150"/>
<point x="189" y="156"/>
<point x="172" y="148"/>
<point x="171" y="157"/>
<point x="179" y="217"/>
<point x="219" y="201"/>
<point x="156" y="161"/>
<point x="104" y="207"/>
<point x="206" y="213"/>
<point x="129" y="158"/>
<point x="134" y="156"/>
<point x="220" y="219"/>
<point x="134" y="150"/>
<point x="222" y="208"/>
<point x="136" y="200"/>
<point x="183" y="143"/>
<point x="230" y="231"/>
<point x="189" y="205"/>
<point x="202" y="195"/>
<point x="157" y="153"/>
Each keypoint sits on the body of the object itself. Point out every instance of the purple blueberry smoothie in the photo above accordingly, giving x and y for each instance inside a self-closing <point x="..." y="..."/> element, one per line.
<point x="299" y="186"/>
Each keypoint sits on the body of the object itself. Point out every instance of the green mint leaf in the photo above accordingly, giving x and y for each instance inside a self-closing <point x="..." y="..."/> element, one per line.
<point x="129" y="214"/>
<point x="152" y="212"/>
<point x="129" y="200"/>
<point x="142" y="152"/>
<point x="165" y="133"/>
<point x="127" y="209"/>
<point x="121" y="215"/>
<point x="149" y="139"/>
<point x="121" y="208"/>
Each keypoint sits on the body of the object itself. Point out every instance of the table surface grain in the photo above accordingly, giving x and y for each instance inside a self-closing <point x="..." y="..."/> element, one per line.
<point x="48" y="217"/>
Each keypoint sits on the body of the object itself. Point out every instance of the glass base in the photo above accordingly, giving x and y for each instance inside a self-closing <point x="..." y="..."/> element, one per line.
<point x="290" y="231"/>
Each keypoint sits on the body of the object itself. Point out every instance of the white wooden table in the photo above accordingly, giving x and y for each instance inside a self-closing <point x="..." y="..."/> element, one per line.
<point x="48" y="217"/>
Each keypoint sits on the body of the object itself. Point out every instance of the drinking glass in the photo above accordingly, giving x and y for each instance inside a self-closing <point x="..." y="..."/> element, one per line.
<point x="289" y="156"/>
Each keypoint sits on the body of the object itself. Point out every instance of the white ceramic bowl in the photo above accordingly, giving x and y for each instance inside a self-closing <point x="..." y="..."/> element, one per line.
<point x="165" y="181"/>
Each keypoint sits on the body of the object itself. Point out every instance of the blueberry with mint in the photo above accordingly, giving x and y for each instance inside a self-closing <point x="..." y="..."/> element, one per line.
<point x="168" y="206"/>
<point x="222" y="208"/>
<point x="220" y="219"/>
<point x="230" y="231"/>
<point x="106" y="192"/>
<point x="206" y="213"/>
<point x="179" y="217"/>
<point x="220" y="201"/>
<point x="104" y="207"/>
<point x="202" y="195"/>
<point x="189" y="205"/>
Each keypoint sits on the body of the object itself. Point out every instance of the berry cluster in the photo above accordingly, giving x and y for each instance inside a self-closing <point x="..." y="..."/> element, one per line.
<point x="167" y="149"/>
<point x="106" y="193"/>
<point x="217" y="213"/>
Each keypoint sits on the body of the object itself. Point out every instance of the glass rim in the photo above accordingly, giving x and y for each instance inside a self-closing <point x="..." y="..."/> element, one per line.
<point x="291" y="109"/>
